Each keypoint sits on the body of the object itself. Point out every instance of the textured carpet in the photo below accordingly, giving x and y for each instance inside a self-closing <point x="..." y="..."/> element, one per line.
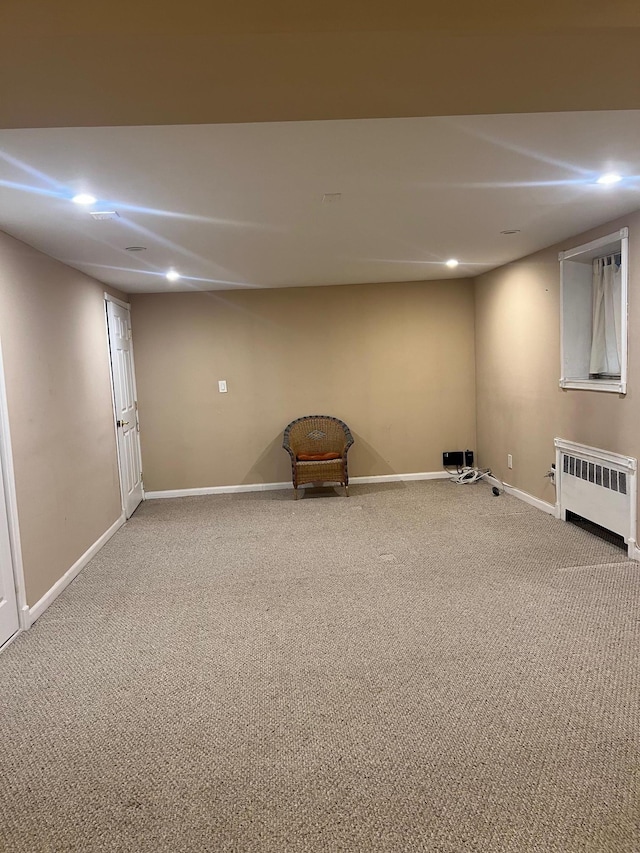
<point x="419" y="667"/>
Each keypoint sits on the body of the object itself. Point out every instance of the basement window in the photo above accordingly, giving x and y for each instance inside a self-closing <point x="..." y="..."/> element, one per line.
<point x="594" y="281"/>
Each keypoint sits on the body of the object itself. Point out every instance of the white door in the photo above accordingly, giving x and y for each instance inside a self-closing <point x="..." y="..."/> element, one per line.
<point x="126" y="405"/>
<point x="8" y="603"/>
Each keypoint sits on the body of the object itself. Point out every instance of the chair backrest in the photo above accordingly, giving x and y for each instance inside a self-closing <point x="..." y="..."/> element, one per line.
<point x="318" y="434"/>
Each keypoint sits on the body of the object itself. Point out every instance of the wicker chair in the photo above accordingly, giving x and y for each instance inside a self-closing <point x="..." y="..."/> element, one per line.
<point x="318" y="447"/>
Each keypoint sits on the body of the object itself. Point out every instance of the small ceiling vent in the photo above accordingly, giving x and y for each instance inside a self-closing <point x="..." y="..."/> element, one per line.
<point x="104" y="214"/>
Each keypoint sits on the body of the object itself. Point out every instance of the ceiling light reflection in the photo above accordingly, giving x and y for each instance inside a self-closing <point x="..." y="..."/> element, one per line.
<point x="84" y="198"/>
<point x="609" y="178"/>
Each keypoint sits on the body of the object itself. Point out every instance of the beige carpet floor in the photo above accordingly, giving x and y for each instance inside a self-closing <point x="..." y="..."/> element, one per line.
<point x="420" y="667"/>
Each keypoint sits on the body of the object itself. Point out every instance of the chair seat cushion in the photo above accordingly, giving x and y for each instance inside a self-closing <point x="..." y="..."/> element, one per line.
<point x="317" y="457"/>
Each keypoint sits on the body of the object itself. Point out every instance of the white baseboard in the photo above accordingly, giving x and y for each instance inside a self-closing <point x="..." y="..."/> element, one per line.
<point x="216" y="490"/>
<point x="51" y="595"/>
<point x="269" y="487"/>
<point x="400" y="478"/>
<point x="550" y="509"/>
<point x="633" y="552"/>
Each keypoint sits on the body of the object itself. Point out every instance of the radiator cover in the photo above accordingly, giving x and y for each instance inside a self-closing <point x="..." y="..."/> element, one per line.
<point x="598" y="485"/>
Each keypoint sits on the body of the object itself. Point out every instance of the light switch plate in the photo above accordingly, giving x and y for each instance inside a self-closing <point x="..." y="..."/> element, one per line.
<point x="222" y="386"/>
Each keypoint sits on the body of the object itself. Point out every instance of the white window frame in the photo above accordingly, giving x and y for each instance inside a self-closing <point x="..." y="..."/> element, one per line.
<point x="617" y="386"/>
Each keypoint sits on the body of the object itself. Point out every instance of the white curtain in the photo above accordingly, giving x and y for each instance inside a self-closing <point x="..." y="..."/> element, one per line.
<point x="606" y="342"/>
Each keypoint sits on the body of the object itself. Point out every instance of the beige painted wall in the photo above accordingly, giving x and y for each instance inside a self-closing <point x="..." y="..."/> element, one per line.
<point x="521" y="408"/>
<point x="260" y="61"/>
<point x="56" y="364"/>
<point x="395" y="361"/>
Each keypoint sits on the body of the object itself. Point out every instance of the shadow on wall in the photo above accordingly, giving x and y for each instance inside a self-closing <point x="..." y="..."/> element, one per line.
<point x="274" y="464"/>
<point x="365" y="461"/>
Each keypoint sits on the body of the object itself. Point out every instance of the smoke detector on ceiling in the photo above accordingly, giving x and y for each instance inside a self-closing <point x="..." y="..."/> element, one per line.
<point x="104" y="214"/>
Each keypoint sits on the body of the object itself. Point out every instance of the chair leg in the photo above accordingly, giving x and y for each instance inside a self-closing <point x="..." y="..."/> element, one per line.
<point x="295" y="493"/>
<point x="346" y="489"/>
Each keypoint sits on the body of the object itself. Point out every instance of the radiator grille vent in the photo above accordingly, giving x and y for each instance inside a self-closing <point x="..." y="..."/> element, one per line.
<point x="599" y="475"/>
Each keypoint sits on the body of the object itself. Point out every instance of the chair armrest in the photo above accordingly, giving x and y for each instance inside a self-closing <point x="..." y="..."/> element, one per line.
<point x="287" y="447"/>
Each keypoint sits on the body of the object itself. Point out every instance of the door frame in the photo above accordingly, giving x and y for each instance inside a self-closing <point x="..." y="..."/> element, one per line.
<point x="8" y="484"/>
<point x="109" y="298"/>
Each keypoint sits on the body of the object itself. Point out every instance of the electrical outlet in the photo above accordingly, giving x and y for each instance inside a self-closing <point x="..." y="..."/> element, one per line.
<point x="509" y="461"/>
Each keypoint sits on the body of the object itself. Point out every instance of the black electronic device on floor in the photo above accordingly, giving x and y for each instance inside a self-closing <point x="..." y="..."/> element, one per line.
<point x="453" y="459"/>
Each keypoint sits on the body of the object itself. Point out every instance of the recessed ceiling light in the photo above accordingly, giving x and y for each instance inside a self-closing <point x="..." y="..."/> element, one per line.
<point x="136" y="248"/>
<point x="510" y="231"/>
<point x="451" y="263"/>
<point x="84" y="198"/>
<point x="609" y="178"/>
<point x="172" y="275"/>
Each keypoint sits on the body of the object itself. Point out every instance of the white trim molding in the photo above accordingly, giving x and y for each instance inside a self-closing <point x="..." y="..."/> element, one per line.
<point x="621" y="234"/>
<point x="574" y="447"/>
<point x="109" y="298"/>
<point x="573" y="340"/>
<point x="270" y="487"/>
<point x="401" y="478"/>
<point x="544" y="506"/>
<point x="614" y="386"/>
<point x="11" y="502"/>
<point x="50" y="596"/>
<point x="215" y="490"/>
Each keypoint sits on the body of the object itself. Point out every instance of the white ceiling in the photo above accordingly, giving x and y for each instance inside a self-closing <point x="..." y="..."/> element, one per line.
<point x="236" y="206"/>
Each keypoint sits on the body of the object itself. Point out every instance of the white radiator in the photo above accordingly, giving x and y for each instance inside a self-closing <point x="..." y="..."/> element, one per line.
<point x="598" y="485"/>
